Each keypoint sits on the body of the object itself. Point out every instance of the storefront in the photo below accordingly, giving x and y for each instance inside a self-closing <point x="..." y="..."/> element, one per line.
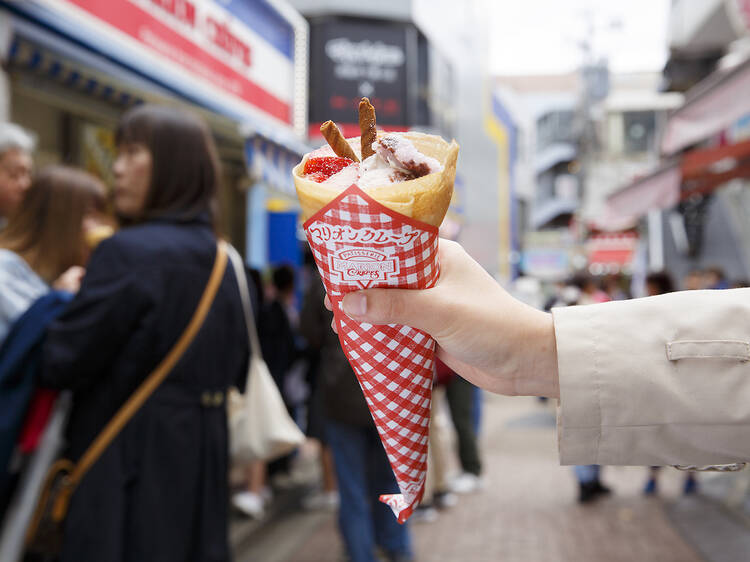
<point x="697" y="200"/>
<point x="73" y="67"/>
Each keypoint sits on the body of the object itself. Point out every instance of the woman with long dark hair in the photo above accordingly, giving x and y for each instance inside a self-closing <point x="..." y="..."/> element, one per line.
<point x="159" y="491"/>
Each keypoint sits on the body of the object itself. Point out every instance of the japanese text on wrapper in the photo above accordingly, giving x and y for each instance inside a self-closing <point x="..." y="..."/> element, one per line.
<point x="342" y="233"/>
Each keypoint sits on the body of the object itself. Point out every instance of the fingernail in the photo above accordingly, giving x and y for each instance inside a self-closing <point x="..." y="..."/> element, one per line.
<point x="355" y="304"/>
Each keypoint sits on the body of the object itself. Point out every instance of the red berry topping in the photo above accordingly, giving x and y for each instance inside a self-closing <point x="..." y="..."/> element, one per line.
<point x="320" y="169"/>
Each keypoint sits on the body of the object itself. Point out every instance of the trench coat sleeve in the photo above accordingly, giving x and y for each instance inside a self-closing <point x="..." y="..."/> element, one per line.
<point x="87" y="339"/>
<point x="656" y="381"/>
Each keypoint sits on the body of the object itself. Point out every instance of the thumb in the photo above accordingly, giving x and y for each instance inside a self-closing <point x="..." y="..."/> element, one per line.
<point x="415" y="308"/>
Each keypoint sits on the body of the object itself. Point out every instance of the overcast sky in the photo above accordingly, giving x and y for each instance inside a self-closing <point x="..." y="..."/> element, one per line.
<point x="542" y="36"/>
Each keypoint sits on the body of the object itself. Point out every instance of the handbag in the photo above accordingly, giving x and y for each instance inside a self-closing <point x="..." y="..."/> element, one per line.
<point x="45" y="532"/>
<point x="260" y="427"/>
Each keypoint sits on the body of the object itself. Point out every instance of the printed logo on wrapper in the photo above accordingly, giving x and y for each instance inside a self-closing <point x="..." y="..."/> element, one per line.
<point x="359" y="243"/>
<point x="363" y="266"/>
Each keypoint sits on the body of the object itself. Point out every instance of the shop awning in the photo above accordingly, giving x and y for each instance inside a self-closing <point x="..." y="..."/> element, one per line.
<point x="611" y="252"/>
<point x="658" y="190"/>
<point x="271" y="163"/>
<point x="53" y="63"/>
<point x="711" y="106"/>
<point x="697" y="172"/>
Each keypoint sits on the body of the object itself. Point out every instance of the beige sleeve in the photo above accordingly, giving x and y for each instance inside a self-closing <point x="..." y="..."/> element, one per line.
<point x="657" y="381"/>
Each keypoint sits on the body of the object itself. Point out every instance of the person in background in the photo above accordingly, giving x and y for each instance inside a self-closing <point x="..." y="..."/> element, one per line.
<point x="16" y="147"/>
<point x="613" y="286"/>
<point x="591" y="292"/>
<point x="362" y="468"/>
<point x="715" y="278"/>
<point x="660" y="283"/>
<point x="160" y="490"/>
<point x="44" y="244"/>
<point x="43" y="248"/>
<point x="694" y="280"/>
<point x="282" y="351"/>
<point x="328" y="496"/>
<point x="437" y="494"/>
<point x="252" y="499"/>
<point x="460" y="394"/>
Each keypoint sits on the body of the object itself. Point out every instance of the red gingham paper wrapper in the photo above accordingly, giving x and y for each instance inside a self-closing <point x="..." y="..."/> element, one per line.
<point x="359" y="243"/>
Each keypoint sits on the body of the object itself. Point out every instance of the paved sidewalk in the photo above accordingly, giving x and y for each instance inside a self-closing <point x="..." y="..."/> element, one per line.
<point x="527" y="513"/>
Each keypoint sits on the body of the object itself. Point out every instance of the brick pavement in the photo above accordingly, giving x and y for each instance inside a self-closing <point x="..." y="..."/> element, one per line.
<point x="527" y="513"/>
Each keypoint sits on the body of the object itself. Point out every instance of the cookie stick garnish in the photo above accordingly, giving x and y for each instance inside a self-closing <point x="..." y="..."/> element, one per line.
<point x="337" y="141"/>
<point x="367" y="127"/>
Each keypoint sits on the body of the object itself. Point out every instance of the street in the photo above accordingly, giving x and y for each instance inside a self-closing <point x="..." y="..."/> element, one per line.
<point x="528" y="511"/>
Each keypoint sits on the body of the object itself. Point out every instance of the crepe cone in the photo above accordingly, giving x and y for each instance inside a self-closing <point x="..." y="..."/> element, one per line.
<point x="425" y="199"/>
<point x="386" y="237"/>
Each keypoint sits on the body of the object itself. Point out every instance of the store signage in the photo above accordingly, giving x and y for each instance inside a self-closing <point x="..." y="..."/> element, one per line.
<point x="243" y="51"/>
<point x="350" y="60"/>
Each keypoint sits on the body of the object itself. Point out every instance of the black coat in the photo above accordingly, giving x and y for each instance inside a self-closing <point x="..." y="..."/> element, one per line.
<point x="160" y="491"/>
<point x="277" y="341"/>
<point x="342" y="397"/>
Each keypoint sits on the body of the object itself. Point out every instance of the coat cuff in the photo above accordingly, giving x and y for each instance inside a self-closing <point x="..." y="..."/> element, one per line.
<point x="579" y="410"/>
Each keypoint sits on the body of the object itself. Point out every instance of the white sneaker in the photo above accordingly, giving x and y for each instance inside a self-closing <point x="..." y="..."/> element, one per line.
<point x="467" y="483"/>
<point x="249" y="503"/>
<point x="424" y="514"/>
<point x="321" y="500"/>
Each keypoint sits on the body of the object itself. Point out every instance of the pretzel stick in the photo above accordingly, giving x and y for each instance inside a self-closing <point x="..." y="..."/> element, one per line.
<point x="367" y="127"/>
<point x="337" y="141"/>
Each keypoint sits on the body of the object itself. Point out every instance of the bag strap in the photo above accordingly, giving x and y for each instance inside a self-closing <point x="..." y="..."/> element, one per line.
<point x="247" y="307"/>
<point x="158" y="375"/>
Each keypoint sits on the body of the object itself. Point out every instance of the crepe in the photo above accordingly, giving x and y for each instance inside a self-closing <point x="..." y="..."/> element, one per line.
<point x="425" y="199"/>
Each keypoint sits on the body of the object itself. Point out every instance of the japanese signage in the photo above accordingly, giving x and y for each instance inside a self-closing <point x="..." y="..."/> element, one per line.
<point x="235" y="53"/>
<point x="351" y="59"/>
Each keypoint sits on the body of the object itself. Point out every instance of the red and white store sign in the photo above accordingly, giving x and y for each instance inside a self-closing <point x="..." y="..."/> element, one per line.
<point x="198" y="41"/>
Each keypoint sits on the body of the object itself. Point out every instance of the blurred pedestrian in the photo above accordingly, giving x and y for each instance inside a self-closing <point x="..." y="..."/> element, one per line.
<point x="591" y="291"/>
<point x="660" y="283"/>
<point x="16" y="147"/>
<point x="461" y="401"/>
<point x="44" y="243"/>
<point x="328" y="496"/>
<point x="437" y="492"/>
<point x="715" y="278"/>
<point x="284" y="354"/>
<point x="160" y="489"/>
<point x="42" y="248"/>
<point x="362" y="468"/>
<point x="694" y="280"/>
<point x="255" y="494"/>
<point x="613" y="286"/>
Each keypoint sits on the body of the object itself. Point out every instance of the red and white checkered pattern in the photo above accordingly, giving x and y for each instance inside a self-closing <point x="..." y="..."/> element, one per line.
<point x="358" y="243"/>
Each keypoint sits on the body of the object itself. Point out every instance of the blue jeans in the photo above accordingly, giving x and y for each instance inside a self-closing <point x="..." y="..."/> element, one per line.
<point x="363" y="473"/>
<point x="586" y="473"/>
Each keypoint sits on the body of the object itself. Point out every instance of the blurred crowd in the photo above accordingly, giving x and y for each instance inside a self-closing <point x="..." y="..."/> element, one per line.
<point x="97" y="283"/>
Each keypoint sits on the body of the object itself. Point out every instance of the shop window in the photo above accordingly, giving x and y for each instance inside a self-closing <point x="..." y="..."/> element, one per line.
<point x="640" y="129"/>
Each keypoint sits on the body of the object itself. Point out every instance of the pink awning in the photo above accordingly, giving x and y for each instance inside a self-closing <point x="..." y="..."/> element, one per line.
<point x="658" y="190"/>
<point x="711" y="106"/>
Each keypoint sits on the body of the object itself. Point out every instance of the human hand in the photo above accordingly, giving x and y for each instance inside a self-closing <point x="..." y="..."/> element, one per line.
<point x="485" y="335"/>
<point x="70" y="280"/>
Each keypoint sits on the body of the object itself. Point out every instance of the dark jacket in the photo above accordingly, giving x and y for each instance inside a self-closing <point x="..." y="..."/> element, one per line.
<point x="277" y="341"/>
<point x="20" y="359"/>
<point x="160" y="491"/>
<point x="343" y="400"/>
